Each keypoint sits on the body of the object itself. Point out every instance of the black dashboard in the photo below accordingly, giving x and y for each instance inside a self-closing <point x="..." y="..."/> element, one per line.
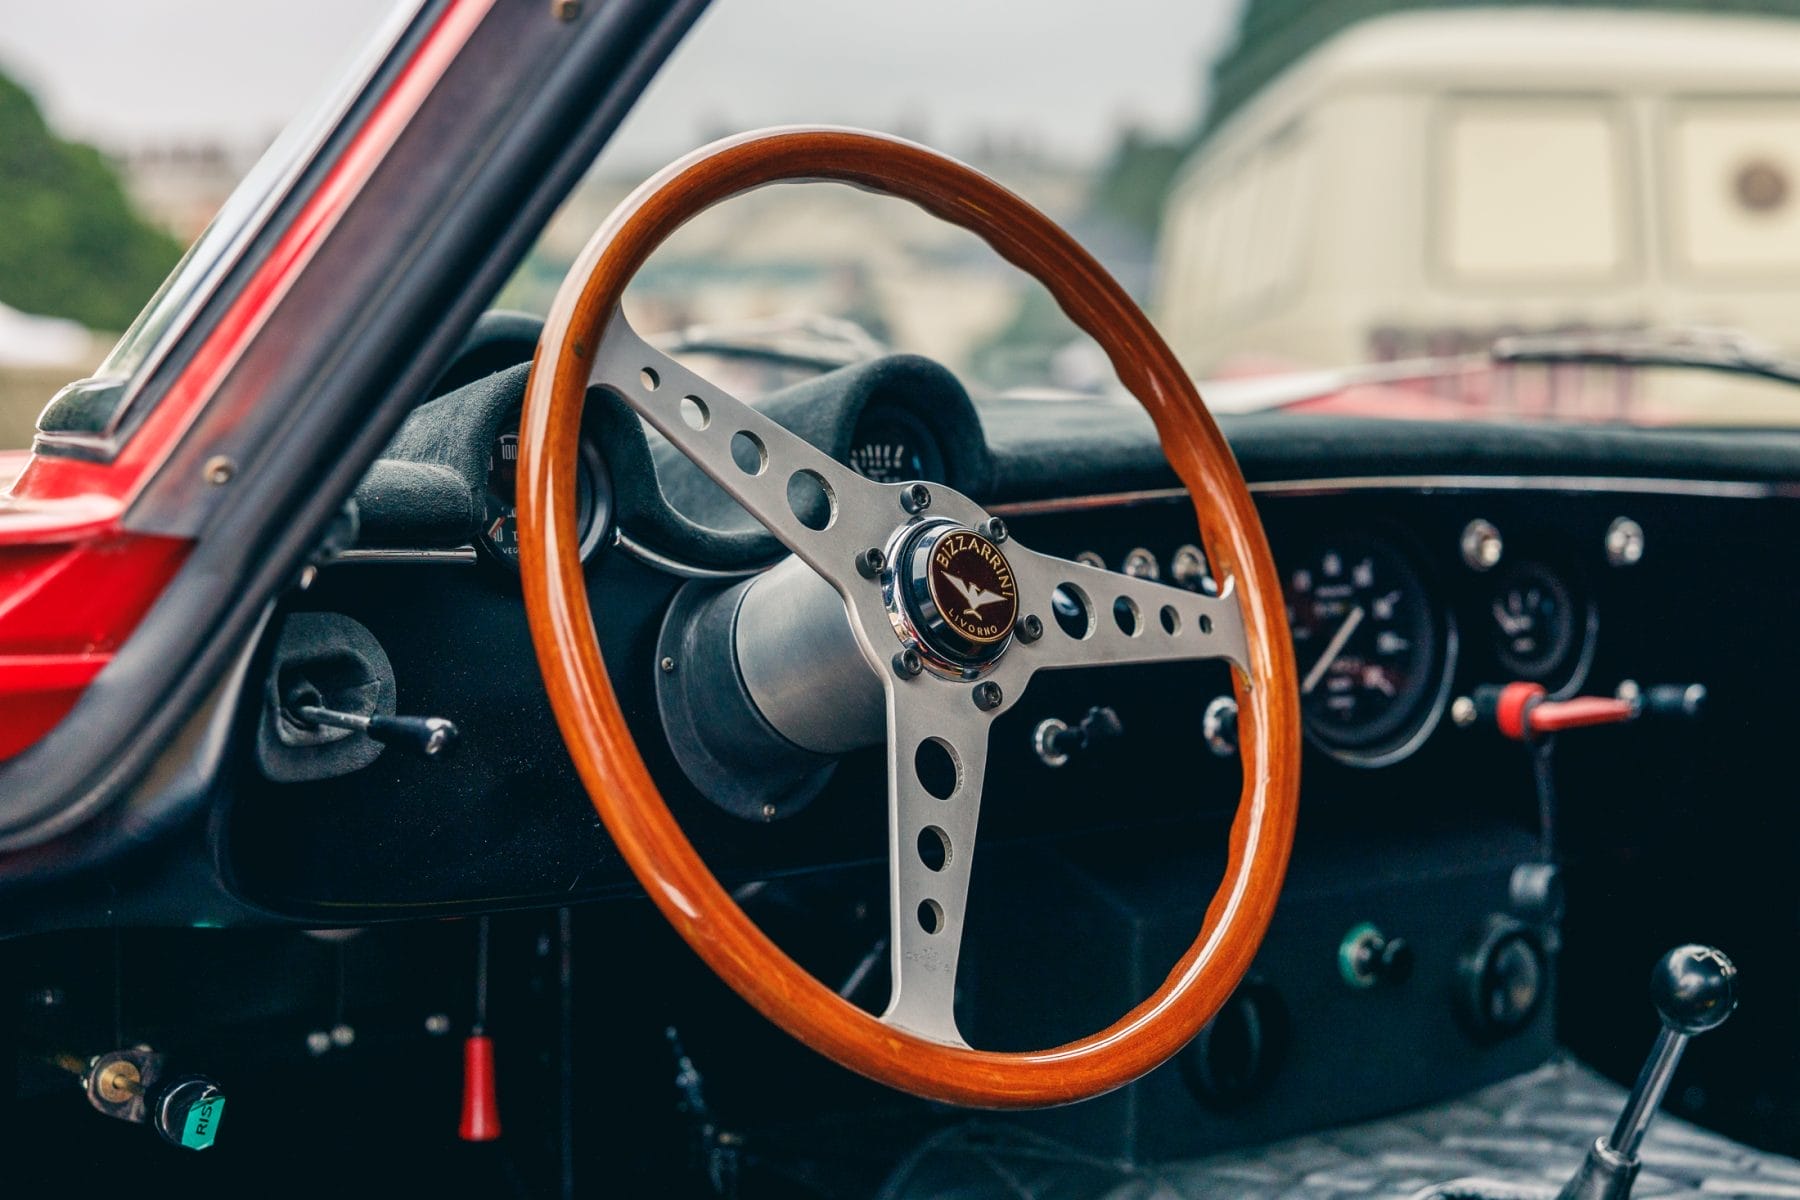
<point x="1422" y="562"/>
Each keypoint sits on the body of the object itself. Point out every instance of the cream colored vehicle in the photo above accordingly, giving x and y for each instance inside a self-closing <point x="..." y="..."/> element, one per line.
<point x="1425" y="183"/>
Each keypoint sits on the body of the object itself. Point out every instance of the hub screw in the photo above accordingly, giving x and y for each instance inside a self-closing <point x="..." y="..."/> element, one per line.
<point x="871" y="562"/>
<point x="987" y="696"/>
<point x="1030" y="628"/>
<point x="915" y="498"/>
<point x="994" y="529"/>
<point x="907" y="663"/>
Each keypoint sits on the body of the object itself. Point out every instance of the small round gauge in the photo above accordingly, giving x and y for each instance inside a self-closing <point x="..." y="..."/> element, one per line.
<point x="499" y="534"/>
<point x="891" y="445"/>
<point x="1372" y="649"/>
<point x="1534" y="622"/>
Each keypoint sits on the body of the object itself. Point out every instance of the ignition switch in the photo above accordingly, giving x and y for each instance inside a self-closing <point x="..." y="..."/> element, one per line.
<point x="136" y="1085"/>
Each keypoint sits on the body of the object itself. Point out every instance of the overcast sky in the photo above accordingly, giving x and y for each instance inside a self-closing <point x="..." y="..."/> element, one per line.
<point x="1063" y="72"/>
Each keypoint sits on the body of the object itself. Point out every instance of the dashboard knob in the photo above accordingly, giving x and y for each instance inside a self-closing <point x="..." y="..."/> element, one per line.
<point x="1501" y="979"/>
<point x="1237" y="1055"/>
<point x="186" y="1112"/>
<point x="1368" y="956"/>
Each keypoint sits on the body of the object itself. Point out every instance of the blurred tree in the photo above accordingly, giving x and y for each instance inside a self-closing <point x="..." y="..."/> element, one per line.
<point x="70" y="243"/>
<point x="1130" y="187"/>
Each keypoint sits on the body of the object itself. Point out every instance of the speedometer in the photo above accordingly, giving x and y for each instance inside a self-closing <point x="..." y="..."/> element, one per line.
<point x="1372" y="649"/>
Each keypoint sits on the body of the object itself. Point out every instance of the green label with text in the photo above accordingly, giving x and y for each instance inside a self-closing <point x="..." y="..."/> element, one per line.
<point x="203" y="1123"/>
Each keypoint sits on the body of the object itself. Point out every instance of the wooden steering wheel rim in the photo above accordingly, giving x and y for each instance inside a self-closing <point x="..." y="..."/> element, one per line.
<point x="606" y="755"/>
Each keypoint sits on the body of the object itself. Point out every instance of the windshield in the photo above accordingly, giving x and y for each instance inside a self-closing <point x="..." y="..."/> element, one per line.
<point x="170" y="179"/>
<point x="1337" y="209"/>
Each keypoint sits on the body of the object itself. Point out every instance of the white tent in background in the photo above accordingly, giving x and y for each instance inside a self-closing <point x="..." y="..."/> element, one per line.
<point x="28" y="341"/>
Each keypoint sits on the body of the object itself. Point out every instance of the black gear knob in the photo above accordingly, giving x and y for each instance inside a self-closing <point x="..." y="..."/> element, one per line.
<point x="1694" y="989"/>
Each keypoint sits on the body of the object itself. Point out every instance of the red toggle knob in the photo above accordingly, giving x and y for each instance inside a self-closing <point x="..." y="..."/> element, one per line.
<point x="480" y="1114"/>
<point x="1523" y="710"/>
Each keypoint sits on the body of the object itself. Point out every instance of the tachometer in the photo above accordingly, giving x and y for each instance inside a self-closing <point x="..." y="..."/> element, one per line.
<point x="1372" y="648"/>
<point x="499" y="534"/>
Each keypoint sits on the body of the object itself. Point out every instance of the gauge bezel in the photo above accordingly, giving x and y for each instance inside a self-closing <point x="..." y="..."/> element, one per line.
<point x="1412" y="734"/>
<point x="934" y="462"/>
<point x="600" y="515"/>
<point x="1566" y="674"/>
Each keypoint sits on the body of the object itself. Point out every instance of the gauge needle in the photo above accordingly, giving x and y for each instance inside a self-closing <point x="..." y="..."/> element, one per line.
<point x="1334" y="648"/>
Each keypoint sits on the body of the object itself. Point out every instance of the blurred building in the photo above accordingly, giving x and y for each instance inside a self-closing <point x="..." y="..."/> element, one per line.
<point x="180" y="185"/>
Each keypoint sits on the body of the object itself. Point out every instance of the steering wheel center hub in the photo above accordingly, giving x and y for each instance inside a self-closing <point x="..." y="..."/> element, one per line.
<point x="958" y="593"/>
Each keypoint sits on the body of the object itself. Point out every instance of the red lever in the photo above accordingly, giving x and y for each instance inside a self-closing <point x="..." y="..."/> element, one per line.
<point x="1554" y="716"/>
<point x="480" y="1114"/>
<point x="1521" y="711"/>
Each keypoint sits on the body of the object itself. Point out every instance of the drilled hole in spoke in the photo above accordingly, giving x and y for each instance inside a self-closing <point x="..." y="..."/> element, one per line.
<point x="694" y="412"/>
<point x="1127" y="617"/>
<point x="1205" y="623"/>
<point x="810" y="498"/>
<point x="934" y="848"/>
<point x="931" y="916"/>
<point x="935" y="765"/>
<point x="1171" y="620"/>
<point x="748" y="452"/>
<point x="1073" y="612"/>
<point x="650" y="379"/>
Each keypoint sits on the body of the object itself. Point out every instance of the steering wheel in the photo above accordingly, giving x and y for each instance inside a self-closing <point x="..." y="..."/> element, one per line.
<point x="954" y="616"/>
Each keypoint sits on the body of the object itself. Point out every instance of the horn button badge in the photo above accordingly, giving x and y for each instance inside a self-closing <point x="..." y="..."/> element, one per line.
<point x="958" y="594"/>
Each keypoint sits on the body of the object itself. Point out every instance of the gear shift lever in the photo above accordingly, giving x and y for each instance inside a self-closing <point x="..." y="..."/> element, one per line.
<point x="1694" y="989"/>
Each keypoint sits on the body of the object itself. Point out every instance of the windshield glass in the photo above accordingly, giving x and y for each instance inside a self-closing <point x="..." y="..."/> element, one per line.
<point x="1332" y="208"/>
<point x="177" y="168"/>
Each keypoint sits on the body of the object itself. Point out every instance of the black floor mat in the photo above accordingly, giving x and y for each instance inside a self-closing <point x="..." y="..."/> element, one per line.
<point x="1530" y="1130"/>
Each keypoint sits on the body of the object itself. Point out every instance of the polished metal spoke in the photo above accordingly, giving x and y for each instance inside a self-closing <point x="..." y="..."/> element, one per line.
<point x="1120" y="619"/>
<point x="819" y="508"/>
<point x="937" y="758"/>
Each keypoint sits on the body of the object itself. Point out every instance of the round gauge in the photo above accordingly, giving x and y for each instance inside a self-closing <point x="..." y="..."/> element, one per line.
<point x="499" y="534"/>
<point x="1372" y="649"/>
<point x="1534" y="622"/>
<point x="891" y="445"/>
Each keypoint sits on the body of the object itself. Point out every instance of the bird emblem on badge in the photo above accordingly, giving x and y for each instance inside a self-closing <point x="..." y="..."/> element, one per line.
<point x="978" y="597"/>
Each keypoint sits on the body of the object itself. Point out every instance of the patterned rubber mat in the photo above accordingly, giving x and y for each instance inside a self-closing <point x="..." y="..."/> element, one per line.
<point x="1527" y="1135"/>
